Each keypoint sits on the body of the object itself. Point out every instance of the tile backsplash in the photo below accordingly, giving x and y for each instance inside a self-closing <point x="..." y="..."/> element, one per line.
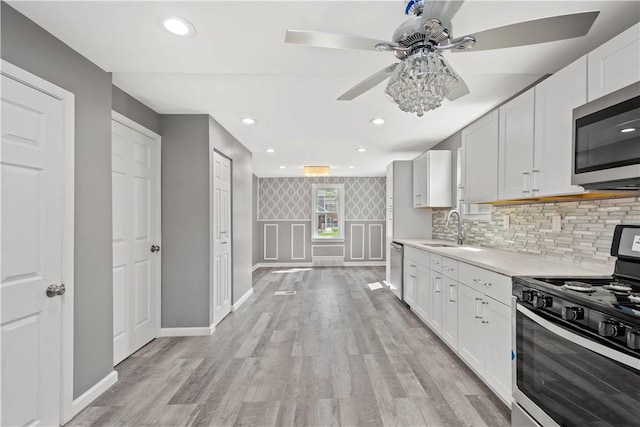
<point x="585" y="236"/>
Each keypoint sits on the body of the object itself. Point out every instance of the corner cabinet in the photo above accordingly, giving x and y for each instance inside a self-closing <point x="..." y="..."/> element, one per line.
<point x="480" y="150"/>
<point x="432" y="179"/>
<point x="615" y="64"/>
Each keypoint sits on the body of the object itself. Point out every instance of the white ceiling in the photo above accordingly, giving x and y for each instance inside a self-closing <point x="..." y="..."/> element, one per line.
<point x="238" y="65"/>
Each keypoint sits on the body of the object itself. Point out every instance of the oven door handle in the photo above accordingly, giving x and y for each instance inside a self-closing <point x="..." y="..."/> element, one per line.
<point x="586" y="343"/>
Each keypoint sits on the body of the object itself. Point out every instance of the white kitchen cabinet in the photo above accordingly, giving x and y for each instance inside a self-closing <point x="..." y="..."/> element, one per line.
<point x="515" y="147"/>
<point x="497" y="333"/>
<point x="435" y="314"/>
<point x="471" y="345"/>
<point x="409" y="281"/>
<point x="450" y="315"/>
<point x="555" y="99"/>
<point x="421" y="308"/>
<point x="480" y="148"/>
<point x="432" y="179"/>
<point x="615" y="64"/>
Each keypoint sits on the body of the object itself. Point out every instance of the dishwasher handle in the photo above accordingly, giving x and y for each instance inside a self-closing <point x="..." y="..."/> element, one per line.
<point x="396" y="246"/>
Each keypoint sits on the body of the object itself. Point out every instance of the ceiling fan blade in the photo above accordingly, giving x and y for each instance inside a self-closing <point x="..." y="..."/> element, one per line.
<point x="461" y="90"/>
<point x="537" y="31"/>
<point x="441" y="10"/>
<point x="368" y="83"/>
<point x="332" y="40"/>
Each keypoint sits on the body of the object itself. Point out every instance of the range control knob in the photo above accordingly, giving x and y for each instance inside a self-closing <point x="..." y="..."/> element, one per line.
<point x="633" y="338"/>
<point x="609" y="328"/>
<point x="541" y="301"/>
<point x="526" y="296"/>
<point x="572" y="313"/>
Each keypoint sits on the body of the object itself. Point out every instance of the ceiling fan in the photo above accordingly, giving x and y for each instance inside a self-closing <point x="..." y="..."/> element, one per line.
<point x="423" y="77"/>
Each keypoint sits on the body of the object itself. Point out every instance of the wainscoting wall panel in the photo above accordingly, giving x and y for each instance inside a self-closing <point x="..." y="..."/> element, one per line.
<point x="298" y="242"/>
<point x="271" y="242"/>
<point x="376" y="242"/>
<point x="356" y="242"/>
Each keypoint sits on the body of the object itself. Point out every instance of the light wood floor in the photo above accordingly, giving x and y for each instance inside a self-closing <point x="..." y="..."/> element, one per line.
<point x="336" y="353"/>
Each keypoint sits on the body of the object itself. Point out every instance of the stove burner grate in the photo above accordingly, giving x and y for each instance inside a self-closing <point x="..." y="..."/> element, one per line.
<point x="578" y="286"/>
<point x="617" y="286"/>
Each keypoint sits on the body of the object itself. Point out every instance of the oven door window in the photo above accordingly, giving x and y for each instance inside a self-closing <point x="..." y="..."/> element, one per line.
<point x="571" y="384"/>
<point x="609" y="138"/>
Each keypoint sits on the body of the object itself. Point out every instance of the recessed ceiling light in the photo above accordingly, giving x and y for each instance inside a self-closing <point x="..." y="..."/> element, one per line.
<point x="282" y="167"/>
<point x="625" y="130"/>
<point x="362" y="149"/>
<point x="248" y="121"/>
<point x="352" y="167"/>
<point x="270" y="150"/>
<point x="178" y="26"/>
<point x="377" y="121"/>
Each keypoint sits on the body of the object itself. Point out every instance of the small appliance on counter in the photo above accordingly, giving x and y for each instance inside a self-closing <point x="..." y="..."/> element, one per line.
<point x="577" y="344"/>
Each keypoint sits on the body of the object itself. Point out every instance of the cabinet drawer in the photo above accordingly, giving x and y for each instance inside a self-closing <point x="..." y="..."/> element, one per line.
<point x="417" y="255"/>
<point x="494" y="285"/>
<point x="450" y="268"/>
<point x="436" y="263"/>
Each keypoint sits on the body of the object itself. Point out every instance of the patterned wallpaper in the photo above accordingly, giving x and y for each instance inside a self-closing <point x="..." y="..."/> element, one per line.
<point x="290" y="198"/>
<point x="587" y="228"/>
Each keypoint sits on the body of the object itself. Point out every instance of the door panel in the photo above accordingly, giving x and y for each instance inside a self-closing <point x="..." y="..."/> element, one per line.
<point x="135" y="220"/>
<point x="221" y="237"/>
<point x="32" y="217"/>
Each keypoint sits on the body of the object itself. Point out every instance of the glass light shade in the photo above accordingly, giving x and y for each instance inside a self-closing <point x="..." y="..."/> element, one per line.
<point x="315" y="170"/>
<point x="421" y="81"/>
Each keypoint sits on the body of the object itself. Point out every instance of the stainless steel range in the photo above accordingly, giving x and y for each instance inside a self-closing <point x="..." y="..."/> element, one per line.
<point x="577" y="344"/>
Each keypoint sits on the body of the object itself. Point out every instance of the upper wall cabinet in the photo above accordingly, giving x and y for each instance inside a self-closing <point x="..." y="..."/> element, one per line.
<point x="480" y="150"/>
<point x="432" y="179"/>
<point x="515" y="147"/>
<point x="556" y="97"/>
<point x="615" y="64"/>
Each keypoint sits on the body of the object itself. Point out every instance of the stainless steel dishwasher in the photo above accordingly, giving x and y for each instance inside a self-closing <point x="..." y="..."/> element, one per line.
<point x="397" y="255"/>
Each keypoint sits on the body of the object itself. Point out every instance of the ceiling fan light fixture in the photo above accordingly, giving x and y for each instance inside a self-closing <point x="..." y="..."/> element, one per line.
<point x="315" y="170"/>
<point x="421" y="82"/>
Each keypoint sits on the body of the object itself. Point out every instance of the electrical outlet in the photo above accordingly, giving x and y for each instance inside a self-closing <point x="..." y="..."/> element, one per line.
<point x="505" y="222"/>
<point x="556" y="223"/>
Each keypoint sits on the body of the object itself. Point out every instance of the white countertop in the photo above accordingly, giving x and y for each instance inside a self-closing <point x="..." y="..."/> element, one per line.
<point x="509" y="263"/>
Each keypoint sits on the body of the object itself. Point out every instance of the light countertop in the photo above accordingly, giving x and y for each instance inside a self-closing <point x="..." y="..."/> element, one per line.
<point x="507" y="262"/>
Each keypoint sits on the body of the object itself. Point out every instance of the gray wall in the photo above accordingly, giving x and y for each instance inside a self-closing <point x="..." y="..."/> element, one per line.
<point x="185" y="220"/>
<point x="241" y="204"/>
<point x="255" y="253"/>
<point x="186" y="140"/>
<point x="30" y="47"/>
<point x="130" y="107"/>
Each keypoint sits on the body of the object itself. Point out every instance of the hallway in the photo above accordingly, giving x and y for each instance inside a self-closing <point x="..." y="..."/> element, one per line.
<point x="335" y="353"/>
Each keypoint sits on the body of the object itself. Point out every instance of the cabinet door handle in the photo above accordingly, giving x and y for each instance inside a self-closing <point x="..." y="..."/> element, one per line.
<point x="524" y="182"/>
<point x="478" y="316"/>
<point x="480" y="282"/>
<point x="451" y="293"/>
<point x="533" y="180"/>
<point x="438" y="284"/>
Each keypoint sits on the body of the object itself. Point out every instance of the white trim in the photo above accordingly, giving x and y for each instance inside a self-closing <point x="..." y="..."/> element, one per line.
<point x="381" y="242"/>
<point x="304" y="241"/>
<point x="255" y="267"/>
<point x="188" y="332"/>
<point x="314" y="214"/>
<point x="264" y="241"/>
<point x="351" y="241"/>
<point x="284" y="220"/>
<point x="242" y="299"/>
<point x="365" y="220"/>
<point x="364" y="264"/>
<point x="326" y="246"/>
<point x="93" y="393"/>
<point x="283" y="264"/>
<point x="68" y="234"/>
<point x="157" y="139"/>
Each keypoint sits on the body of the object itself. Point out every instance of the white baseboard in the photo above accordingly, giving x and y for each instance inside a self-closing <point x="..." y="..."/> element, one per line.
<point x="92" y="394"/>
<point x="365" y="264"/>
<point x="187" y="332"/>
<point x="242" y="299"/>
<point x="255" y="267"/>
<point x="283" y="264"/>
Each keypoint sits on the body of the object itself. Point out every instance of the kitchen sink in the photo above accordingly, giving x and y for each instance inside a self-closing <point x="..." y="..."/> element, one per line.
<point x="439" y="245"/>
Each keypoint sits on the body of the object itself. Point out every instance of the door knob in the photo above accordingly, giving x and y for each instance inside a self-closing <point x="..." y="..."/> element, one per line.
<point x="53" y="290"/>
<point x="155" y="248"/>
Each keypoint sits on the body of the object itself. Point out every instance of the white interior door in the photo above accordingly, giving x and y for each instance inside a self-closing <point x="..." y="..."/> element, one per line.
<point x="136" y="260"/>
<point x="32" y="247"/>
<point x="221" y="237"/>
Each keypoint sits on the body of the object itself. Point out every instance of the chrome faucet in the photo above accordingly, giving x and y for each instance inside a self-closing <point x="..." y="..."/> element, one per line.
<point x="460" y="237"/>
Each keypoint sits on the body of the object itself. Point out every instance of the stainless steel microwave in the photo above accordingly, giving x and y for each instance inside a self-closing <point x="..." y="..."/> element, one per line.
<point x="606" y="141"/>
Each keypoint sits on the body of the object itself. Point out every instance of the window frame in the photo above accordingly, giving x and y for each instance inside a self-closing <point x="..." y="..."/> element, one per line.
<point x="314" y="213"/>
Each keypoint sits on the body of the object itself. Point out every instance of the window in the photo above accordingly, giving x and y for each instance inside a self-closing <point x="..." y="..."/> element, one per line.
<point x="482" y="212"/>
<point x="328" y="211"/>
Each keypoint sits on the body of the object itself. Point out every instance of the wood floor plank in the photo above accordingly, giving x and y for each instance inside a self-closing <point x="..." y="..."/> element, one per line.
<point x="335" y="353"/>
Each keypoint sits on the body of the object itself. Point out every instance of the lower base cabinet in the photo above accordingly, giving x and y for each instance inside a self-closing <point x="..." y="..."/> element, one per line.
<point x="450" y="315"/>
<point x="484" y="339"/>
